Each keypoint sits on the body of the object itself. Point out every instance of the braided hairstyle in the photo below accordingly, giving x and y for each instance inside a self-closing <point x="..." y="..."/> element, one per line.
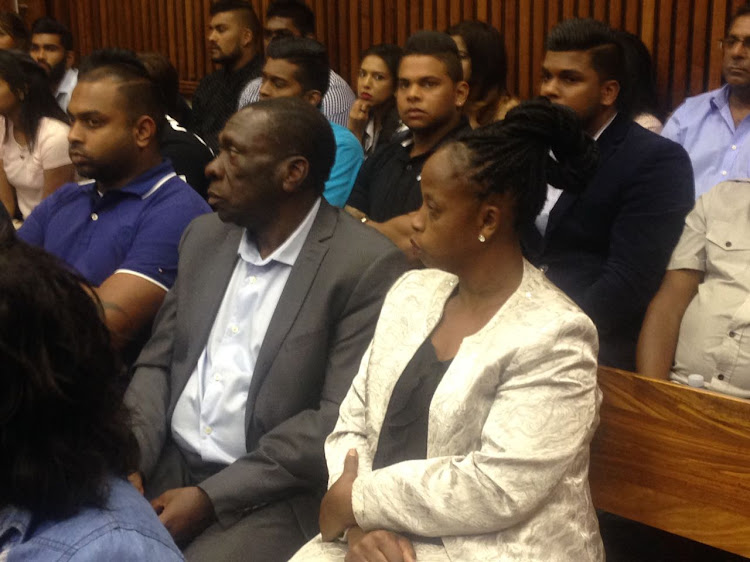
<point x="538" y="143"/>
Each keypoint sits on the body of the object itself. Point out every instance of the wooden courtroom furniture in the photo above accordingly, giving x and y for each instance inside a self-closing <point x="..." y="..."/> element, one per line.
<point x="674" y="457"/>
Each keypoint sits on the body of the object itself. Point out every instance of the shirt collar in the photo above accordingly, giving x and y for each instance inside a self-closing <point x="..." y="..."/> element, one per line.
<point x="14" y="519"/>
<point x="68" y="82"/>
<point x="288" y="252"/>
<point x="144" y="185"/>
<point x="604" y="128"/>
<point x="720" y="98"/>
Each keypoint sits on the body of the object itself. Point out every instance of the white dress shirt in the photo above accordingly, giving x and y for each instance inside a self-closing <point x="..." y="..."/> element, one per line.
<point x="209" y="418"/>
<point x="65" y="88"/>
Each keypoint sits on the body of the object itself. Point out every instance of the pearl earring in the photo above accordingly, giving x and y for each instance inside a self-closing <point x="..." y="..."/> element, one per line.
<point x="482" y="238"/>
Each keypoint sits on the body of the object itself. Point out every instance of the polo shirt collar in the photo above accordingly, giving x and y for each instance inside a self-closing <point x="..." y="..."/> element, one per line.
<point x="16" y="520"/>
<point x="289" y="251"/>
<point x="144" y="185"/>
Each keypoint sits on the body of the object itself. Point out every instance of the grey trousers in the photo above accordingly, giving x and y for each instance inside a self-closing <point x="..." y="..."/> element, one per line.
<point x="272" y="533"/>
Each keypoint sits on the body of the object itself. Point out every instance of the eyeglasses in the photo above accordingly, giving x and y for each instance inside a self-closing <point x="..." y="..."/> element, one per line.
<point x="732" y="41"/>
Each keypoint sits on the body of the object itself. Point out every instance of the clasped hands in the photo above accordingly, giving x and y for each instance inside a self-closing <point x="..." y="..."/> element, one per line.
<point x="337" y="515"/>
<point x="185" y="512"/>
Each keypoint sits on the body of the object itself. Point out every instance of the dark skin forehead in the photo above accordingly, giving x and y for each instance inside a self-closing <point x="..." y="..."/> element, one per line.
<point x="247" y="127"/>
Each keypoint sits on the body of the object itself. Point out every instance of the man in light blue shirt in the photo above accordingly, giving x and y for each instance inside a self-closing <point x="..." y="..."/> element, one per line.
<point x="298" y="67"/>
<point x="713" y="127"/>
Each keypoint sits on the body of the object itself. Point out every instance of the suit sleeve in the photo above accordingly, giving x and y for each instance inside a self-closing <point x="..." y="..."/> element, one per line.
<point x="148" y="394"/>
<point x="290" y="456"/>
<point x="643" y="234"/>
<point x="539" y="425"/>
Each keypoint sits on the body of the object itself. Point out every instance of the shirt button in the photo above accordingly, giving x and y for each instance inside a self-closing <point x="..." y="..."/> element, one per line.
<point x="543" y="268"/>
<point x="94" y="217"/>
<point x="235" y="329"/>
<point x="252" y="280"/>
<point x="408" y="166"/>
<point x="720" y="377"/>
<point x="732" y="334"/>
<point x="728" y="244"/>
<point x="734" y="147"/>
<point x="208" y="430"/>
<point x="723" y="172"/>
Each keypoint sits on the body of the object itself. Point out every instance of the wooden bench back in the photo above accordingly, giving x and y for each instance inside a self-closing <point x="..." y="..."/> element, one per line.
<point x="674" y="457"/>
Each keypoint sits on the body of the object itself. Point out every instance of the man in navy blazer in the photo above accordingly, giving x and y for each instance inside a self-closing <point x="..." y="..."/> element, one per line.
<point x="255" y="347"/>
<point x="608" y="247"/>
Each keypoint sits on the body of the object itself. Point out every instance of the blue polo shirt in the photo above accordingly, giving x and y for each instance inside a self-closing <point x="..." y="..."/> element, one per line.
<point x="135" y="229"/>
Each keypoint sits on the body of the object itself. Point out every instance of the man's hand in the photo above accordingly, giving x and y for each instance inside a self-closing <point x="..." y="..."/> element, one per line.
<point x="185" y="512"/>
<point x="336" y="513"/>
<point x="379" y="546"/>
<point x="136" y="479"/>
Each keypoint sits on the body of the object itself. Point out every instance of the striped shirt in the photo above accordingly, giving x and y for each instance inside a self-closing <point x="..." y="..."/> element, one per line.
<point x="337" y="101"/>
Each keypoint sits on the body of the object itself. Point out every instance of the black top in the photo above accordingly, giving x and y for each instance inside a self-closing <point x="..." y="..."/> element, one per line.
<point x="216" y="99"/>
<point x="404" y="433"/>
<point x="188" y="153"/>
<point x="387" y="185"/>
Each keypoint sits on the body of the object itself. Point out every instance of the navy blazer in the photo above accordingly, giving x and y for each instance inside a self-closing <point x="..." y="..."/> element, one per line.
<point x="608" y="247"/>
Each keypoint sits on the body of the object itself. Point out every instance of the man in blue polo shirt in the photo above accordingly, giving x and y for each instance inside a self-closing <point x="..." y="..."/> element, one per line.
<point x="120" y="229"/>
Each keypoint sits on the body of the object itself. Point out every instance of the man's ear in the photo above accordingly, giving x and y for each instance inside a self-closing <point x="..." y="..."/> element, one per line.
<point x="313" y="97"/>
<point x="462" y="93"/>
<point x="247" y="37"/>
<point x="70" y="59"/>
<point x="608" y="93"/>
<point x="294" y="170"/>
<point x="144" y="131"/>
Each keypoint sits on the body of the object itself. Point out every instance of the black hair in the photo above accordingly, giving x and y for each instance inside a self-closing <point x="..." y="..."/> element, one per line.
<point x="51" y="26"/>
<point x="141" y="94"/>
<point x="489" y="60"/>
<point x="310" y="58"/>
<point x="300" y="13"/>
<point x="743" y="10"/>
<point x="12" y="24"/>
<point x="63" y="427"/>
<point x="389" y="54"/>
<point x="30" y="84"/>
<point x="247" y="12"/>
<point x="439" y="45"/>
<point x="641" y="91"/>
<point x="513" y="155"/>
<point x="164" y="74"/>
<point x="607" y="58"/>
<point x="297" y="128"/>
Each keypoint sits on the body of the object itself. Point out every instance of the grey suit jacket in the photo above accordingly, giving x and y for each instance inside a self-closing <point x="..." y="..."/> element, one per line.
<point x="321" y="327"/>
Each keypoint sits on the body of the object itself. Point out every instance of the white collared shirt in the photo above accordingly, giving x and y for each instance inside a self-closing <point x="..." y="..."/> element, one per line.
<point x="209" y="418"/>
<point x="553" y="193"/>
<point x="65" y="88"/>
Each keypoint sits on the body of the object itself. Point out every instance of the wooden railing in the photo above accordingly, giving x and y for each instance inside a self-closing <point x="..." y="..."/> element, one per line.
<point x="675" y="458"/>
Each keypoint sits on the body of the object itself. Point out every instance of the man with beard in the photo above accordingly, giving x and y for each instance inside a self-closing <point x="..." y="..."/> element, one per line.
<point x="430" y="94"/>
<point x="234" y="44"/>
<point x="120" y="230"/>
<point x="713" y="127"/>
<point x="52" y="49"/>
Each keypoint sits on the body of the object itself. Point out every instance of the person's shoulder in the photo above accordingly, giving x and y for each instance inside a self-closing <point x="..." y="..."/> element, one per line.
<point x="175" y="191"/>
<point x="700" y="102"/>
<point x="343" y="135"/>
<point x="125" y="526"/>
<point x="51" y="126"/>
<point x="651" y="145"/>
<point x="352" y="237"/>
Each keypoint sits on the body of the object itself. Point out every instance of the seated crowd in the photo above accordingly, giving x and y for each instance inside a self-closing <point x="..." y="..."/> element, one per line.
<point x="312" y="325"/>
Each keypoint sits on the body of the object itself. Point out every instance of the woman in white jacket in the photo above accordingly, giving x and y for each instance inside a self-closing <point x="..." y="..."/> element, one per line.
<point x="465" y="434"/>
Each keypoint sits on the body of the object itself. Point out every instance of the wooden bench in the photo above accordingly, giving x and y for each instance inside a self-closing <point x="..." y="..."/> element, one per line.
<point x="674" y="457"/>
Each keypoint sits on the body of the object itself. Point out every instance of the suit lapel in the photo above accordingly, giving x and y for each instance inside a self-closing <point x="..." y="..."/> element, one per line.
<point x="213" y="278"/>
<point x="292" y="297"/>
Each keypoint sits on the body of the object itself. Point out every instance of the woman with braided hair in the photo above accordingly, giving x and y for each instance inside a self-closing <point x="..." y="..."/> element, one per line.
<point x="465" y="434"/>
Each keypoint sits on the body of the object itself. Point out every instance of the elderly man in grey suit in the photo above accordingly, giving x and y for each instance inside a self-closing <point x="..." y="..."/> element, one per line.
<point x="276" y="299"/>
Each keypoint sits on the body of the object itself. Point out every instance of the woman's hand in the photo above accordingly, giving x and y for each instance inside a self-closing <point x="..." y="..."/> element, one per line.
<point x="336" y="513"/>
<point x="377" y="546"/>
<point x="359" y="114"/>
